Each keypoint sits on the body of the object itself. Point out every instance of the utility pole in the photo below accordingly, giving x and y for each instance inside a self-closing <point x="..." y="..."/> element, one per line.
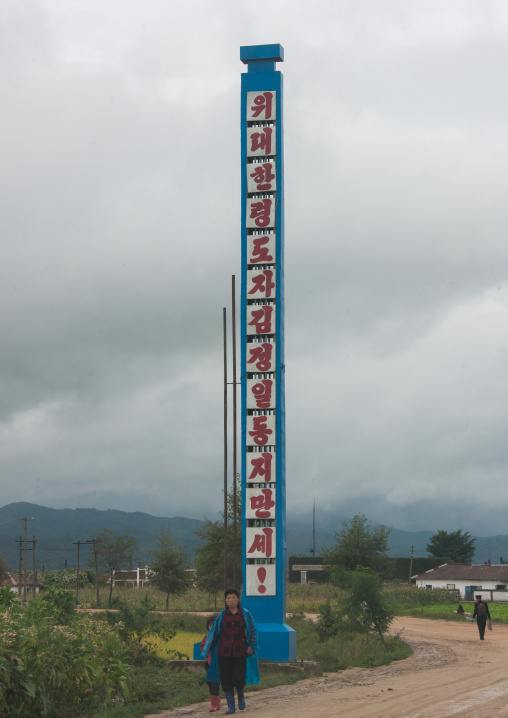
<point x="20" y="541"/>
<point x="411" y="566"/>
<point x="78" y="543"/>
<point x="314" y="529"/>
<point x="235" y="504"/>
<point x="94" y="542"/>
<point x="34" y="571"/>
<point x="25" y="519"/>
<point x="225" y="449"/>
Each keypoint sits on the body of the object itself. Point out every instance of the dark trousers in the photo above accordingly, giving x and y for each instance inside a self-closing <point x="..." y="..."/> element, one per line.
<point x="232" y="673"/>
<point x="482" y="622"/>
<point x="213" y="688"/>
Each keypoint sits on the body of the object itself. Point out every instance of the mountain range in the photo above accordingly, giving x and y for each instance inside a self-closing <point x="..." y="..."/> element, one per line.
<point x="56" y="532"/>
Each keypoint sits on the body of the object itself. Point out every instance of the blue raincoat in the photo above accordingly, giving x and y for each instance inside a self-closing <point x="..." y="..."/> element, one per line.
<point x="212" y="646"/>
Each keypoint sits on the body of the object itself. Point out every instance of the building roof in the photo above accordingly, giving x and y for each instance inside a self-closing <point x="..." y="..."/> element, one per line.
<point x="12" y="579"/>
<point x="467" y="572"/>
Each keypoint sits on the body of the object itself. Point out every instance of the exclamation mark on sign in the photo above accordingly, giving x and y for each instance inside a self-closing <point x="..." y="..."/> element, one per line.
<point x="261" y="576"/>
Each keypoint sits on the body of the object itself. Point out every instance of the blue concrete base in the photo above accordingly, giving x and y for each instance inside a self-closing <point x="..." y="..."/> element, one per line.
<point x="276" y="642"/>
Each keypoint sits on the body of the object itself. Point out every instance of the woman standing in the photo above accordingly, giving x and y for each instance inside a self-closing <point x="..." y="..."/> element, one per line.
<point x="232" y="643"/>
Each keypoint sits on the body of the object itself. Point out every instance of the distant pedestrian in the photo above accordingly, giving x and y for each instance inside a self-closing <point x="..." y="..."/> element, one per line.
<point x="232" y="644"/>
<point x="460" y="612"/>
<point x="212" y="686"/>
<point x="481" y="613"/>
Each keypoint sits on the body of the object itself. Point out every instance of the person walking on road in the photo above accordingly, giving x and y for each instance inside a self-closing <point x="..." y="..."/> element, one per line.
<point x="481" y="613"/>
<point x="232" y="641"/>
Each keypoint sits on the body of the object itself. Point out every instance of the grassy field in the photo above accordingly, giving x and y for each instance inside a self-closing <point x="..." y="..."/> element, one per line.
<point x="299" y="599"/>
<point x="182" y="643"/>
<point x="498" y="611"/>
<point x="406" y="601"/>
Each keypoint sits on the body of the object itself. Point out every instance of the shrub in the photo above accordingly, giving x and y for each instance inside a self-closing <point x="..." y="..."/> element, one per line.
<point x="48" y="668"/>
<point x="364" y="608"/>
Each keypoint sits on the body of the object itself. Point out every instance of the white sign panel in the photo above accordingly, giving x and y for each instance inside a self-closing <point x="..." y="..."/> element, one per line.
<point x="261" y="142"/>
<point x="261" y="106"/>
<point x="260" y="319"/>
<point x="261" y="466"/>
<point x="261" y="430"/>
<point x="260" y="503"/>
<point x="261" y="176"/>
<point x="261" y="248"/>
<point x="261" y="283"/>
<point x="261" y="580"/>
<point x="260" y="212"/>
<point x="261" y="393"/>
<point x="261" y="542"/>
<point x="261" y="357"/>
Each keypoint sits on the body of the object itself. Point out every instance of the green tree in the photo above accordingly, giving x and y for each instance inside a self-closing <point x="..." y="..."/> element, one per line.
<point x="358" y="544"/>
<point x="114" y="553"/>
<point x="209" y="561"/>
<point x="456" y="546"/>
<point x="168" y="564"/>
<point x="366" y="606"/>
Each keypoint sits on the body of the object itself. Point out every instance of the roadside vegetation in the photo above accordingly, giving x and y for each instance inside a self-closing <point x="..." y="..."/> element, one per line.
<point x="113" y="664"/>
<point x="60" y="657"/>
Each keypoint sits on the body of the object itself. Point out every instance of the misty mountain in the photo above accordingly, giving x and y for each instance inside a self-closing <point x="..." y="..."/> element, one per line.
<point x="56" y="532"/>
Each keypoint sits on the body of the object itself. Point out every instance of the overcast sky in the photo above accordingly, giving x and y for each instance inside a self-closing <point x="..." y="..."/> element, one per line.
<point x="120" y="230"/>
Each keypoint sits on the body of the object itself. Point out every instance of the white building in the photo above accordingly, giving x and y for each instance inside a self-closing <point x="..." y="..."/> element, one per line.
<point x="16" y="584"/>
<point x="489" y="580"/>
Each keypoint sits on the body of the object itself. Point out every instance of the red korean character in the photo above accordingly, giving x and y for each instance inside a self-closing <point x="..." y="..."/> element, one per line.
<point x="262" y="319"/>
<point x="260" y="355"/>
<point x="262" y="503"/>
<point x="263" y="283"/>
<point x="263" y="393"/>
<point x="262" y="103"/>
<point x="261" y="253"/>
<point x="260" y="212"/>
<point x="263" y="176"/>
<point x="261" y="466"/>
<point x="262" y="140"/>
<point x="263" y="542"/>
<point x="260" y="432"/>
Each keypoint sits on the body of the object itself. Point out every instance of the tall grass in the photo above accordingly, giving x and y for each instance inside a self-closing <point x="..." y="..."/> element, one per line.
<point x="412" y="596"/>
<point x="300" y="598"/>
<point x="192" y="600"/>
<point x="303" y="598"/>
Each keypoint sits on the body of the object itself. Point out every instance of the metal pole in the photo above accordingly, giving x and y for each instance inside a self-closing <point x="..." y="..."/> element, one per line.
<point x="77" y="576"/>
<point x="96" y="573"/>
<point x="410" y="566"/>
<point x="225" y="449"/>
<point x="20" y="564"/>
<point x="235" y="504"/>
<point x="24" y="563"/>
<point x="34" y="583"/>
<point x="314" y="529"/>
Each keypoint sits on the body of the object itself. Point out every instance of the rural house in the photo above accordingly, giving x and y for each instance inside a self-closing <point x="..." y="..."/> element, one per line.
<point x="13" y="581"/>
<point x="491" y="580"/>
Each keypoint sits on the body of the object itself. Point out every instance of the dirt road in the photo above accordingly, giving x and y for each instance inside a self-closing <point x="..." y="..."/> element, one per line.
<point x="451" y="674"/>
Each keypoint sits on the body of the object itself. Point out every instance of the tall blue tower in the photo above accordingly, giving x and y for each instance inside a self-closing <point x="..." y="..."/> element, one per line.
<point x="262" y="351"/>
